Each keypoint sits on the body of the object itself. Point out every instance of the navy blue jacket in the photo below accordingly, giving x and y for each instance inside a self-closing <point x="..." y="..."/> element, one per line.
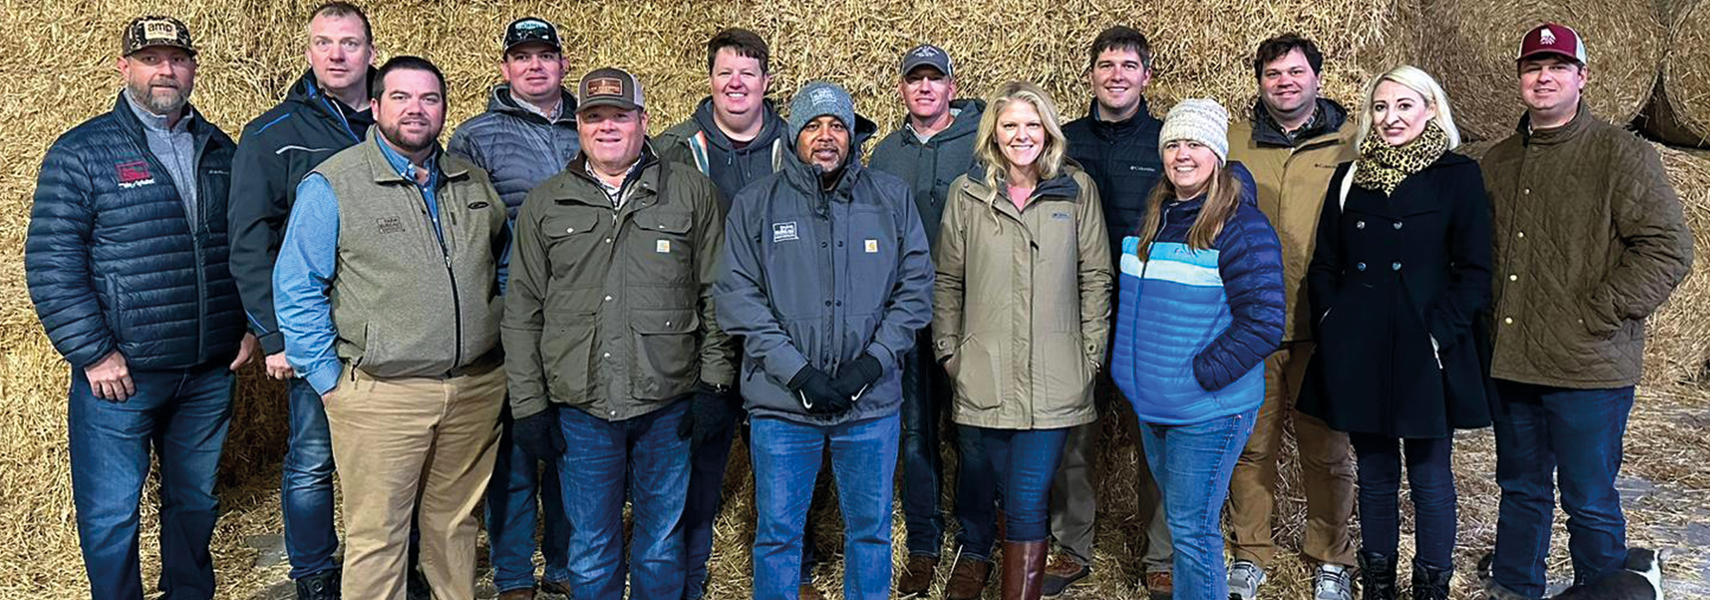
<point x="1193" y="327"/>
<point x="813" y="277"/>
<point x="1122" y="159"/>
<point x="279" y="148"/>
<point x="111" y="260"/>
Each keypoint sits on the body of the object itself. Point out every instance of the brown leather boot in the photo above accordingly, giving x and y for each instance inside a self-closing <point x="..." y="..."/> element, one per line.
<point x="916" y="575"/>
<point x="1023" y="570"/>
<point x="968" y="579"/>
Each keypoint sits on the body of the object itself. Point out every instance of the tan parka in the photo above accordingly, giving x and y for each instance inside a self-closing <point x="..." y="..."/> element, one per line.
<point x="1021" y="308"/>
<point x="1292" y="182"/>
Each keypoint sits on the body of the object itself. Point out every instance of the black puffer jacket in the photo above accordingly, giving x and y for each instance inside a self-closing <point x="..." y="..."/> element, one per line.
<point x="1122" y="159"/>
<point x="111" y="259"/>
<point x="278" y="150"/>
<point x="518" y="148"/>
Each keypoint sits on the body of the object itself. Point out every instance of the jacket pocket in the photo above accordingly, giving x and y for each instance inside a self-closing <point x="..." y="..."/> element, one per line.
<point x="568" y="236"/>
<point x="663" y="250"/>
<point x="566" y="351"/>
<point x="666" y="350"/>
<point x="976" y="374"/>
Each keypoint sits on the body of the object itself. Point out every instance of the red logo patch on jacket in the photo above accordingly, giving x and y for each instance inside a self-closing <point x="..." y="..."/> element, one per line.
<point x="135" y="171"/>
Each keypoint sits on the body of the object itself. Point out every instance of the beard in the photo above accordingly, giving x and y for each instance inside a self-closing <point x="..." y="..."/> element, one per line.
<point x="409" y="142"/>
<point x="160" y="100"/>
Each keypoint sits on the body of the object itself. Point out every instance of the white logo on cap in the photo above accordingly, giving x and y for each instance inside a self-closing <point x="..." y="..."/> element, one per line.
<point x="824" y="95"/>
<point x="925" y="51"/>
<point x="1547" y="38"/>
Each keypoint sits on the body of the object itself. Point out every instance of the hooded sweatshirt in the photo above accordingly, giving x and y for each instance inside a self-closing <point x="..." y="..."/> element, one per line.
<point x="699" y="142"/>
<point x="930" y="166"/>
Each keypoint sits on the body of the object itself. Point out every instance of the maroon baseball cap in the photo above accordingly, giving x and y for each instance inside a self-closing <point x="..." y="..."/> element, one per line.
<point x="1552" y="38"/>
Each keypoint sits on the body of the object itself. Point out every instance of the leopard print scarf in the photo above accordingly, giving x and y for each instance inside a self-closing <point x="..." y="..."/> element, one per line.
<point x="1383" y="167"/>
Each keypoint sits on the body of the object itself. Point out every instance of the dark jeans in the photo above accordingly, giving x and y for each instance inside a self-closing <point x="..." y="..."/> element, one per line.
<point x="1193" y="464"/>
<point x="306" y="486"/>
<point x="639" y="458"/>
<point x="1545" y="437"/>
<point x="183" y="415"/>
<point x="700" y="511"/>
<point x="1025" y="462"/>
<point x="926" y="399"/>
<point x="1432" y="480"/>
<point x="517" y="480"/>
<point x="787" y="457"/>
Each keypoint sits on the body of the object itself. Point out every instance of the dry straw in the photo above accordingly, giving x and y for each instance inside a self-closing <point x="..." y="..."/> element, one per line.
<point x="61" y="72"/>
<point x="1473" y="44"/>
<point x="1679" y="112"/>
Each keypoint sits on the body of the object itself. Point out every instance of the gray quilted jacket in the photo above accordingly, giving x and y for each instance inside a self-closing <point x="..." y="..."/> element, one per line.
<point x="1588" y="241"/>
<point x="518" y="148"/>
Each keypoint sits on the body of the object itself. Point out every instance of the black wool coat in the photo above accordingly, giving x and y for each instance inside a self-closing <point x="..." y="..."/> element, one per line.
<point x="1391" y="274"/>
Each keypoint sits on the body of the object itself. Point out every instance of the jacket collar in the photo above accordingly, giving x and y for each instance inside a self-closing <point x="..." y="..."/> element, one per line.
<point x="1327" y="119"/>
<point x="383" y="162"/>
<point x="196" y="125"/>
<point x="642" y="173"/>
<point x="967" y="122"/>
<point x="1111" y="130"/>
<point x="1581" y="119"/>
<point x="1061" y="187"/>
<point x="307" y="91"/>
<point x="771" y="128"/>
<point x="501" y="101"/>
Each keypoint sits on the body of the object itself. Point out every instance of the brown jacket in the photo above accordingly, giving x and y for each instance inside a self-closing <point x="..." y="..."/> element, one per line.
<point x="1292" y="181"/>
<point x="1589" y="240"/>
<point x="1021" y="310"/>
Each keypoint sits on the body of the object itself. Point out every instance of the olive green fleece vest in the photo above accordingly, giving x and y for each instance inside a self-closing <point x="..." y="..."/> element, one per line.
<point x="403" y="306"/>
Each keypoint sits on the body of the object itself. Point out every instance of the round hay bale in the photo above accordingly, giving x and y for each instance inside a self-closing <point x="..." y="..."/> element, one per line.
<point x="1679" y="113"/>
<point x="1677" y="348"/>
<point x="1472" y="44"/>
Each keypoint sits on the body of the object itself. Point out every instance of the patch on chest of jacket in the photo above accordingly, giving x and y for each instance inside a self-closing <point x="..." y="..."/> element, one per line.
<point x="1060" y="216"/>
<point x="391" y="225"/>
<point x="783" y="232"/>
<point x="133" y="173"/>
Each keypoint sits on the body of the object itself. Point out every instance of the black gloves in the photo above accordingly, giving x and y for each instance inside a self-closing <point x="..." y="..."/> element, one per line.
<point x="854" y="378"/>
<point x="817" y="393"/>
<point x="711" y="411"/>
<point x="539" y="435"/>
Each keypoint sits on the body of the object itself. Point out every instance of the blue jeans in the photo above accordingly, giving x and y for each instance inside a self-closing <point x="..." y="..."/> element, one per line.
<point x="1547" y="436"/>
<point x="306" y="486"/>
<point x="700" y="510"/>
<point x="644" y="458"/>
<point x="517" y="480"/>
<point x="1024" y="462"/>
<point x="787" y="457"/>
<point x="1193" y="464"/>
<point x="1431" y="478"/>
<point x="183" y="415"/>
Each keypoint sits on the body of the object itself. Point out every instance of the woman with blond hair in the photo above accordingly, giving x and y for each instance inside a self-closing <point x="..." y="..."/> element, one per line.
<point x="1397" y="284"/>
<point x="1200" y="306"/>
<point x="1020" y="309"/>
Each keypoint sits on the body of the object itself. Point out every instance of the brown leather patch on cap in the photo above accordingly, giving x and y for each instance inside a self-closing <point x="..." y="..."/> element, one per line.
<point x="605" y="86"/>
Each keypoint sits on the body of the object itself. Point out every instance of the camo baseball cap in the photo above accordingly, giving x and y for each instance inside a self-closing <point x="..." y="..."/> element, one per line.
<point x="155" y="30"/>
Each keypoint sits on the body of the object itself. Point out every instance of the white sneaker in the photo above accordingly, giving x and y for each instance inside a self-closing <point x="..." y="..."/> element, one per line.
<point x="1332" y="582"/>
<point x="1245" y="577"/>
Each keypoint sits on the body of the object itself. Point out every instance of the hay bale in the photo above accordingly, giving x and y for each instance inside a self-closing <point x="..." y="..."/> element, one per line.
<point x="1471" y="50"/>
<point x="1678" y="348"/>
<point x="1679" y="112"/>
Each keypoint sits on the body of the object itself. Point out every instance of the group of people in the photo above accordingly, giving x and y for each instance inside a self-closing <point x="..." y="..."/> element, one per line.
<point x="556" y="315"/>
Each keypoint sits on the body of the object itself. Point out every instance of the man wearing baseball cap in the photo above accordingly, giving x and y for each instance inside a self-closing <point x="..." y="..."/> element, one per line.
<point x="827" y="279"/>
<point x="126" y="263"/>
<point x="324" y="111"/>
<point x="934" y="145"/>
<point x="527" y="134"/>
<point x="1589" y="240"/>
<point x="611" y="340"/>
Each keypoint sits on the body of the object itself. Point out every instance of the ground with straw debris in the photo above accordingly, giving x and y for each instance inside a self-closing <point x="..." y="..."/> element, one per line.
<point x="60" y="67"/>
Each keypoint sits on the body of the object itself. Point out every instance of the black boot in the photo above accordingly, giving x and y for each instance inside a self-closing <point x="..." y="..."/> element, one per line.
<point x="1377" y="576"/>
<point x="1429" y="583"/>
<point x="320" y="586"/>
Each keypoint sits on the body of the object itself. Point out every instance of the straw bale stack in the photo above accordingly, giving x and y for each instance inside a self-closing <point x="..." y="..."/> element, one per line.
<point x="61" y="72"/>
<point x="1678" y="348"/>
<point x="1679" y="111"/>
<point x="1471" y="50"/>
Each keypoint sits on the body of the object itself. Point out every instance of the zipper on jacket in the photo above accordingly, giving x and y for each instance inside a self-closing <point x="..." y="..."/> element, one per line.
<point x="456" y="304"/>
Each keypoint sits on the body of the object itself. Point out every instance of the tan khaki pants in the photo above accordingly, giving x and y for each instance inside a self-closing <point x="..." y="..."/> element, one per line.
<point x="1326" y="464"/>
<point x="417" y="445"/>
